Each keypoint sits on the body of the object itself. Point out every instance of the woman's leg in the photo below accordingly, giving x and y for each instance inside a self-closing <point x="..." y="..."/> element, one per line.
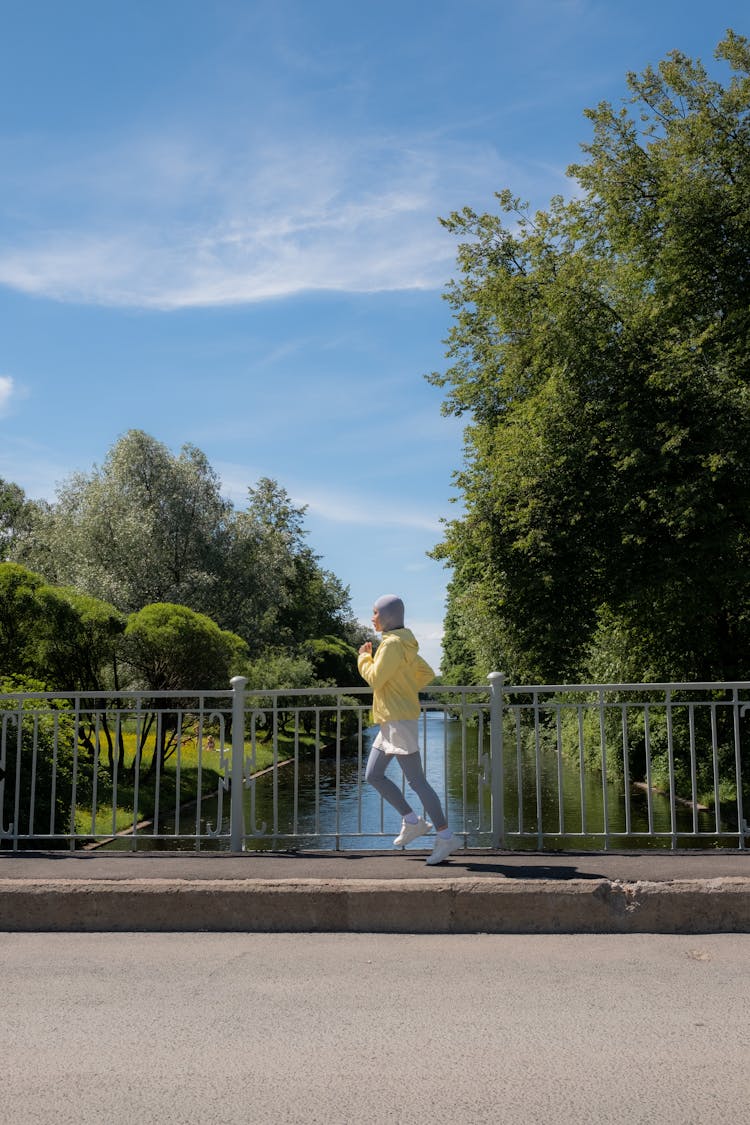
<point x="377" y="764"/>
<point x="411" y="764"/>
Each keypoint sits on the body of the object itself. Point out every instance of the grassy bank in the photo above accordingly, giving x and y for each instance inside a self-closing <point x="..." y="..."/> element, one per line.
<point x="109" y="804"/>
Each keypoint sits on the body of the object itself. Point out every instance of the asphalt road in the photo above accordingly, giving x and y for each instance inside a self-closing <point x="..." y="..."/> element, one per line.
<point x="187" y="1029"/>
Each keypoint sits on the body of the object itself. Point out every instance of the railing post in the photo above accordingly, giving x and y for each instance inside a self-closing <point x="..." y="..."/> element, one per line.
<point x="497" y="777"/>
<point x="236" y="808"/>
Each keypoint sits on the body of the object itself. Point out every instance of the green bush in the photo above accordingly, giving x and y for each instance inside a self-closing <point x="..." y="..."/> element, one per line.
<point x="38" y="770"/>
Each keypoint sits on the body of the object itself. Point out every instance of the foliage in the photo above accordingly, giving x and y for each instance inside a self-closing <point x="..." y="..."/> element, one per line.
<point x="169" y="648"/>
<point x="150" y="527"/>
<point x="86" y="655"/>
<point x="62" y="638"/>
<point x="274" y="592"/>
<point x="20" y="615"/>
<point x="333" y="660"/>
<point x="145" y="527"/>
<point x="276" y="671"/>
<point x="13" y="510"/>
<point x="39" y="736"/>
<point x="172" y="647"/>
<point x="601" y="351"/>
<point x="321" y="664"/>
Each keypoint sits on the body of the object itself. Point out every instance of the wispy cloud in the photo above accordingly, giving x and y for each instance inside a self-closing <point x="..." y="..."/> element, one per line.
<point x="7" y="387"/>
<point x="365" y="511"/>
<point x="427" y="630"/>
<point x="236" y="480"/>
<point x="184" y="224"/>
<point x="336" y="506"/>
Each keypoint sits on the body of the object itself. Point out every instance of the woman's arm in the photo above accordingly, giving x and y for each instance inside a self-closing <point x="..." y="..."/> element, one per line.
<point x="378" y="670"/>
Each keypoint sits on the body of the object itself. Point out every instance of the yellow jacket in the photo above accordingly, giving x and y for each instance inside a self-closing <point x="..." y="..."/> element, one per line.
<point x="396" y="673"/>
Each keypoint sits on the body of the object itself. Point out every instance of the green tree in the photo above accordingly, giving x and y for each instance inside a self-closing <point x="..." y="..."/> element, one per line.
<point x="89" y="655"/>
<point x="171" y="648"/>
<point x="459" y="650"/>
<point x="276" y="594"/>
<point x="333" y="661"/>
<point x="64" y="639"/>
<point x="600" y="350"/>
<point x="150" y="527"/>
<point x="20" y="616"/>
<point x="145" y="527"/>
<point x="262" y="541"/>
<point x="13" y="508"/>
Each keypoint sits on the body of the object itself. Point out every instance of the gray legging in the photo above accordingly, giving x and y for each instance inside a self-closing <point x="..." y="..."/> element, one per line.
<point x="411" y="764"/>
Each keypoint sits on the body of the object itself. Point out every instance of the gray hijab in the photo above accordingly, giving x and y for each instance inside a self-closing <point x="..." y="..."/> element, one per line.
<point x="390" y="611"/>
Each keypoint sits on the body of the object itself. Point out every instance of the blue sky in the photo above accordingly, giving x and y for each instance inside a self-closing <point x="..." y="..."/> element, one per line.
<point x="219" y="225"/>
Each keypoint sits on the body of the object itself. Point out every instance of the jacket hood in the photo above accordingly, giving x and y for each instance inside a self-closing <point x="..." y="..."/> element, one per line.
<point x="405" y="638"/>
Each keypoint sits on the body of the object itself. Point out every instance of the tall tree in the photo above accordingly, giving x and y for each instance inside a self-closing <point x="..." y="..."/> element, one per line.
<point x="12" y="510"/>
<point x="276" y="593"/>
<point x="145" y="527"/>
<point x="601" y="350"/>
<point x="150" y="527"/>
<point x="171" y="647"/>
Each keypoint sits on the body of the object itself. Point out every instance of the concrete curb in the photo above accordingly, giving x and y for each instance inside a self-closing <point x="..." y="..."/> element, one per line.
<point x="444" y="906"/>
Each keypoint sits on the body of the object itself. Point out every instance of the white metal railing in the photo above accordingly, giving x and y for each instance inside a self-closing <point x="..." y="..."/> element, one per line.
<point x="532" y="766"/>
<point x="676" y="756"/>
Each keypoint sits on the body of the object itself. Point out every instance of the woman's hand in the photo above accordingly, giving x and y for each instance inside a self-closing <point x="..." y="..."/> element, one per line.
<point x="366" y="647"/>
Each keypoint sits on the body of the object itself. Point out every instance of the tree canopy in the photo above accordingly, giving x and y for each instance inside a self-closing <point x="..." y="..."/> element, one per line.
<point x="144" y="527"/>
<point x="601" y="354"/>
<point x="148" y="527"/>
<point x="57" y="636"/>
<point x="172" y="647"/>
<point x="12" y="511"/>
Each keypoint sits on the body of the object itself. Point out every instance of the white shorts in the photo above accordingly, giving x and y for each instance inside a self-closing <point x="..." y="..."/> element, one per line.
<point x="401" y="737"/>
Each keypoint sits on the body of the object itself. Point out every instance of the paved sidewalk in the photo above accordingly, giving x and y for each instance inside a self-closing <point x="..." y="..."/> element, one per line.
<point x="651" y="866"/>
<point x="500" y="892"/>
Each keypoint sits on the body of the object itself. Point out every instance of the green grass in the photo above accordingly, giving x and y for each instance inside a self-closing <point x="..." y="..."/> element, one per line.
<point x="200" y="772"/>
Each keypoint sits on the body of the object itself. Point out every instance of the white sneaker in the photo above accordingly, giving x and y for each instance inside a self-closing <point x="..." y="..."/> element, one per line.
<point x="410" y="832"/>
<point x="442" y="849"/>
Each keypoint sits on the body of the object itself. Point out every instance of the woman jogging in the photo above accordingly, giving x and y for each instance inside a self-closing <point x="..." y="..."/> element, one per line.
<point x="395" y="674"/>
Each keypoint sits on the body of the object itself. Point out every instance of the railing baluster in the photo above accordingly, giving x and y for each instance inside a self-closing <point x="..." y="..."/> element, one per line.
<point x="74" y="787"/>
<point x="581" y="767"/>
<point x="496" y="757"/>
<point x="338" y="777"/>
<point x="237" y="808"/>
<point x="519" y="768"/>
<point x="19" y="767"/>
<point x="295" y="795"/>
<point x="603" y="748"/>
<point x="738" y="766"/>
<point x="693" y="766"/>
<point x="649" y="786"/>
<point x="560" y="788"/>
<point x="626" y="768"/>
<point x="137" y="768"/>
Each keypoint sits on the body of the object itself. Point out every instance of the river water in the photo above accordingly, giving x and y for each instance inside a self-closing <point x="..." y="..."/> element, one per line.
<point x="559" y="807"/>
